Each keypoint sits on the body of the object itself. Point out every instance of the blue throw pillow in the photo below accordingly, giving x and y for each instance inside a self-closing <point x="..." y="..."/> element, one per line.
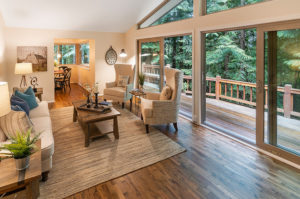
<point x="16" y="108"/>
<point x="16" y="101"/>
<point x="29" y="97"/>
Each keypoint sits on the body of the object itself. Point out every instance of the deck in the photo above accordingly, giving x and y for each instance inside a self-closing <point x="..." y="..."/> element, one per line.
<point x="240" y="120"/>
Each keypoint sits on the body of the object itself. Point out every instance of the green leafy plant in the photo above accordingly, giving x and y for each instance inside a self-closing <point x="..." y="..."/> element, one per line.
<point x="141" y="79"/>
<point x="22" y="145"/>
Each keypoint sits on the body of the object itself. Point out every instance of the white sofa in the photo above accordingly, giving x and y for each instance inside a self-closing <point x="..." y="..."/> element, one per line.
<point x="41" y="120"/>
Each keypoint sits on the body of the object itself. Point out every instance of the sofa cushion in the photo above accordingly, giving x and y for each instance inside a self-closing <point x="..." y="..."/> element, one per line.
<point x="28" y="96"/>
<point x="166" y="93"/>
<point x="115" y="91"/>
<point x="43" y="124"/>
<point x="2" y="136"/>
<point x="13" y="122"/>
<point x="16" y="101"/>
<point x="40" y="111"/>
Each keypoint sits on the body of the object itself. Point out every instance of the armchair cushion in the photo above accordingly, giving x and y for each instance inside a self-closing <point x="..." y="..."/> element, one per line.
<point x="152" y="96"/>
<point x="146" y="107"/>
<point x="166" y="93"/>
<point x="115" y="91"/>
<point x="122" y="80"/>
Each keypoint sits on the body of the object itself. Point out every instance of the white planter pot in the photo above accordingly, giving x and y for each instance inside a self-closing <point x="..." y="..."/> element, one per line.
<point x="23" y="163"/>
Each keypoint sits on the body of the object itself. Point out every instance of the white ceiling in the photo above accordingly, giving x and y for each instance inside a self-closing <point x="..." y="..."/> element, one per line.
<point x="82" y="15"/>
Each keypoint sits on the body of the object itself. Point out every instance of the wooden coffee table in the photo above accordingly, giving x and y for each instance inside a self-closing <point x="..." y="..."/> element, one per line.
<point x="24" y="184"/>
<point x="92" y="122"/>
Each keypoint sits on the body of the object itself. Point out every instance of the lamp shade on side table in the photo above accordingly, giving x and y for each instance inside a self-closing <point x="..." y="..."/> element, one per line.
<point x="4" y="99"/>
<point x="23" y="69"/>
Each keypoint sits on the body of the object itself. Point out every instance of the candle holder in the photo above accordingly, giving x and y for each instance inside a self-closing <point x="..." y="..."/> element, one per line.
<point x="96" y="100"/>
<point x="88" y="101"/>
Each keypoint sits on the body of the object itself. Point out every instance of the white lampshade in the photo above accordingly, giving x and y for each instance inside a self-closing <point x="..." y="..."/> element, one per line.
<point x="4" y="99"/>
<point x="23" y="68"/>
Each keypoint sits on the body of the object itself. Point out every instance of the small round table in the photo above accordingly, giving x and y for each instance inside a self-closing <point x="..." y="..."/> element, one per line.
<point x="137" y="99"/>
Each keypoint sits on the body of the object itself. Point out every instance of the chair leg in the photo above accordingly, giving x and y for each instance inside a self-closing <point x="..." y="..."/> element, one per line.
<point x="130" y="104"/>
<point x="147" y="128"/>
<point x="123" y="105"/>
<point x="45" y="176"/>
<point x="175" y="126"/>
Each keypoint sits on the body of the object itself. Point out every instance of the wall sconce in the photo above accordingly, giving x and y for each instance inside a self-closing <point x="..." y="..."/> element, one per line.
<point x="123" y="53"/>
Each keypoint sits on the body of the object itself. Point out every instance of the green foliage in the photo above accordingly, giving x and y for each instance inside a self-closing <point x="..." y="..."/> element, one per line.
<point x="22" y="145"/>
<point x="183" y="10"/>
<point x="67" y="53"/>
<point x="141" y="79"/>
<point x="219" y="5"/>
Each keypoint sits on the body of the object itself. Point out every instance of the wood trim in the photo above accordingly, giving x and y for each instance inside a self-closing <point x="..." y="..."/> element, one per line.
<point x="152" y="13"/>
<point x="203" y="78"/>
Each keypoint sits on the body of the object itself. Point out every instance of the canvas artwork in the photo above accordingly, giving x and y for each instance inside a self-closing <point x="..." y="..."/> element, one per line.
<point x="37" y="55"/>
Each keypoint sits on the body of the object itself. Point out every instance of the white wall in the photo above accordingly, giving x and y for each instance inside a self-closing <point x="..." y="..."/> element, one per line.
<point x="265" y="12"/>
<point x="2" y="51"/>
<point x="35" y="37"/>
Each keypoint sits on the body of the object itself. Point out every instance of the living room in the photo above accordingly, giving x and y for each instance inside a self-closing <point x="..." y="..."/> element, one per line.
<point x="167" y="99"/>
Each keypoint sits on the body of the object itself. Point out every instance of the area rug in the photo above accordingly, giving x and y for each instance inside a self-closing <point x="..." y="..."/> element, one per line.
<point x="76" y="168"/>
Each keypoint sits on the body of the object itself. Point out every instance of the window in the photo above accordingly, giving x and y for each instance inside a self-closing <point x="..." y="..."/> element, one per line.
<point x="72" y="54"/>
<point x="84" y="53"/>
<point x="173" y="10"/>
<point x="219" y="5"/>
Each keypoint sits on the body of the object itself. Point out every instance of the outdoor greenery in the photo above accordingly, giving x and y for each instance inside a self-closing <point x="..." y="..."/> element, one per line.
<point x="184" y="10"/>
<point x="84" y="52"/>
<point x="67" y="53"/>
<point x="22" y="145"/>
<point x="219" y="5"/>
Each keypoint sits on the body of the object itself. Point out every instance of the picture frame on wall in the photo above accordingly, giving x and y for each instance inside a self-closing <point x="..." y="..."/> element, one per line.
<point x="37" y="55"/>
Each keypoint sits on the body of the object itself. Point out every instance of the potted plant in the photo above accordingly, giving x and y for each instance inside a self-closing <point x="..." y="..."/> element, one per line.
<point x="21" y="147"/>
<point x="141" y="80"/>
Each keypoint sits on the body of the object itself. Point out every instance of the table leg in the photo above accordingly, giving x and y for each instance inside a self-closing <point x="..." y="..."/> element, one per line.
<point x="87" y="135"/>
<point x="33" y="190"/>
<point x="74" y="115"/>
<point x="116" y="128"/>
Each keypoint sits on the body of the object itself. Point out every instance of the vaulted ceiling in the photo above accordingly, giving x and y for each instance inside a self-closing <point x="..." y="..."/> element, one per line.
<point x="81" y="15"/>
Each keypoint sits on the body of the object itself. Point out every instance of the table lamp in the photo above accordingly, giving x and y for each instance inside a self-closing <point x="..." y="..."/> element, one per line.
<point x="23" y="69"/>
<point x="4" y="99"/>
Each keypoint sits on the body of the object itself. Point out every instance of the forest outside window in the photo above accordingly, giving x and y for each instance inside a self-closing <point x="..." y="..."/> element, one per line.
<point x="73" y="54"/>
<point x="213" y="6"/>
<point x="173" y="10"/>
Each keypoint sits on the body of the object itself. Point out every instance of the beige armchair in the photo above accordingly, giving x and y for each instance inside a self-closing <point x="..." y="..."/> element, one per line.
<point x="120" y="94"/>
<point x="156" y="111"/>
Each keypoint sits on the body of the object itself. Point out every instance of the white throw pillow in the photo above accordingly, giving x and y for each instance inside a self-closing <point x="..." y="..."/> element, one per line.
<point x="166" y="93"/>
<point x="122" y="81"/>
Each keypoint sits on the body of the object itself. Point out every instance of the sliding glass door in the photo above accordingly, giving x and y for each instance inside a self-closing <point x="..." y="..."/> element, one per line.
<point x="151" y="64"/>
<point x="229" y="88"/>
<point x="282" y="89"/>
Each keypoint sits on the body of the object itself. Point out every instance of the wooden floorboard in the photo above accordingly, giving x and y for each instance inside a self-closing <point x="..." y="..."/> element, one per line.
<point x="214" y="166"/>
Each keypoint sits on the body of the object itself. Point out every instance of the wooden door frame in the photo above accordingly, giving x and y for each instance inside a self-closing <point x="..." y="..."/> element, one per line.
<point x="260" y="62"/>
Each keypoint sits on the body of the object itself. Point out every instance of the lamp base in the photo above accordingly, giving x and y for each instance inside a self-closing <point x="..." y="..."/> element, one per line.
<point x="23" y="81"/>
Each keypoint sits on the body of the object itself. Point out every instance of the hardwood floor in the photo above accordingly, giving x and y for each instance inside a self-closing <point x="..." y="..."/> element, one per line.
<point x="214" y="166"/>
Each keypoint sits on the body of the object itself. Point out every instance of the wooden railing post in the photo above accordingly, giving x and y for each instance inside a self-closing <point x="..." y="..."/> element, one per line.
<point x="287" y="99"/>
<point x="218" y="87"/>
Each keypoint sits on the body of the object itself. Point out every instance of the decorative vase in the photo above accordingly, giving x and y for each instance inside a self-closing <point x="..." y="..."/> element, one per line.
<point x="142" y="87"/>
<point x="88" y="101"/>
<point x="22" y="163"/>
<point x="96" y="100"/>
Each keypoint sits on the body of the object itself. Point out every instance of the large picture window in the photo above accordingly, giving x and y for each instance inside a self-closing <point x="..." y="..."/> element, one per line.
<point x="173" y="10"/>
<point x="219" y="5"/>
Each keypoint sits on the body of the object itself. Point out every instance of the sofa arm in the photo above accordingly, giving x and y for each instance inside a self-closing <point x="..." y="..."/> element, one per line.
<point x="110" y="84"/>
<point x="152" y="96"/>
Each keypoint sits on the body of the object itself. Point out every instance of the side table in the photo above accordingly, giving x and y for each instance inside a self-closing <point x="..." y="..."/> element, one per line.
<point x="39" y="93"/>
<point x="137" y="98"/>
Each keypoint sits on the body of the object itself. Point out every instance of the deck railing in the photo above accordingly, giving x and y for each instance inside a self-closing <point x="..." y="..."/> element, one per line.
<point x="245" y="92"/>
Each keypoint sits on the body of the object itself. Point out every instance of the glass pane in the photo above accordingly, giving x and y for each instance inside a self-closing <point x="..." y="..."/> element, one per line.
<point x="85" y="53"/>
<point x="219" y="5"/>
<point x="231" y="82"/>
<point x="283" y="91"/>
<point x="150" y="59"/>
<point x="178" y="54"/>
<point x="174" y="10"/>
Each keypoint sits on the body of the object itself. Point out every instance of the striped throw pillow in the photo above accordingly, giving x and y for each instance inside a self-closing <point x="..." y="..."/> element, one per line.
<point x="13" y="122"/>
